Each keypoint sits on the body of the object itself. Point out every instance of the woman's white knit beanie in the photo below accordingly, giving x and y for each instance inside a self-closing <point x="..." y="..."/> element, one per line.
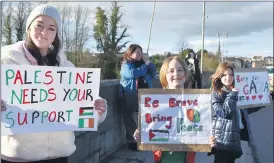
<point x="48" y="10"/>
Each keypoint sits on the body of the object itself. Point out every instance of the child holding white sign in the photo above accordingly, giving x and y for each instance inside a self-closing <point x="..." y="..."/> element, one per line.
<point x="229" y="134"/>
<point x="41" y="48"/>
<point x="173" y="74"/>
<point x="229" y="124"/>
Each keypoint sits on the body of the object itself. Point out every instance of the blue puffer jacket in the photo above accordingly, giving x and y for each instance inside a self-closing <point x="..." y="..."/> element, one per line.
<point x="129" y="73"/>
<point x="225" y="125"/>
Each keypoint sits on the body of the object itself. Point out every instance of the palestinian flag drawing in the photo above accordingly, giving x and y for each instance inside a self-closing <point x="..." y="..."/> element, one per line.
<point x="86" y="123"/>
<point x="158" y="135"/>
<point x="84" y="111"/>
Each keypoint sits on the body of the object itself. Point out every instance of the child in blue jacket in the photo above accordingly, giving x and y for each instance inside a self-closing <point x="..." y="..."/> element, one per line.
<point x="135" y="73"/>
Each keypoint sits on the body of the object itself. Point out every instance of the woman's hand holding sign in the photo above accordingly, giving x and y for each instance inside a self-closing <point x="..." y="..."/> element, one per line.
<point x="137" y="135"/>
<point x="3" y="105"/>
<point x="100" y="105"/>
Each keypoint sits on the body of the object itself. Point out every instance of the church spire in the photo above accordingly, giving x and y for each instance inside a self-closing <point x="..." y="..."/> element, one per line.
<point x="218" y="54"/>
<point x="219" y="46"/>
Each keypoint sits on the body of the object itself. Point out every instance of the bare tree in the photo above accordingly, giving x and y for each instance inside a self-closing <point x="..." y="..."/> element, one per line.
<point x="75" y="30"/>
<point x="66" y="38"/>
<point x="81" y="31"/>
<point x="84" y="30"/>
<point x="67" y="34"/>
<point x="21" y="13"/>
<point x="7" y="27"/>
<point x="182" y="45"/>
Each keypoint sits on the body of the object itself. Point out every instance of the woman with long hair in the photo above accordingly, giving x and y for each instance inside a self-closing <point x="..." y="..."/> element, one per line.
<point x="135" y="74"/>
<point x="231" y="126"/>
<point x="226" y="121"/>
<point x="42" y="47"/>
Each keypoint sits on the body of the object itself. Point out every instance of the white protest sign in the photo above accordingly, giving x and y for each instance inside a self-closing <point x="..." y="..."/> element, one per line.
<point x="48" y="99"/>
<point x="175" y="118"/>
<point x="253" y="86"/>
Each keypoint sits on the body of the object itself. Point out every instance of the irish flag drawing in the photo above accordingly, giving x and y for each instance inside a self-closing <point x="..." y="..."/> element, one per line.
<point x="84" y="111"/>
<point x="86" y="123"/>
<point x="158" y="135"/>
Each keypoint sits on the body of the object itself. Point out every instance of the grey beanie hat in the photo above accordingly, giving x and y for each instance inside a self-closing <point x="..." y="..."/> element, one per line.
<point x="47" y="10"/>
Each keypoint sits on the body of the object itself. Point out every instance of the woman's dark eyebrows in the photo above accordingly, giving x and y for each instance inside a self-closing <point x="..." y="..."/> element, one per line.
<point x="49" y="25"/>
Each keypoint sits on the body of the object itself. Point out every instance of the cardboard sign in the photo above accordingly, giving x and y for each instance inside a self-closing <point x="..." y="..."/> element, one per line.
<point x="253" y="86"/>
<point x="48" y="99"/>
<point x="175" y="120"/>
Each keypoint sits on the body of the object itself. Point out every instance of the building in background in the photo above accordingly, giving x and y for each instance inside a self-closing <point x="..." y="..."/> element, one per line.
<point x="268" y="61"/>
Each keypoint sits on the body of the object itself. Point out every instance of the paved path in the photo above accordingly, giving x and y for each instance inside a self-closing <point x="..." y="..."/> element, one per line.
<point x="262" y="129"/>
<point x="126" y="156"/>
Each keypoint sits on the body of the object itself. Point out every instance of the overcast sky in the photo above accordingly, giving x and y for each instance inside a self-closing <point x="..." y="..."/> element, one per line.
<point x="249" y="25"/>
